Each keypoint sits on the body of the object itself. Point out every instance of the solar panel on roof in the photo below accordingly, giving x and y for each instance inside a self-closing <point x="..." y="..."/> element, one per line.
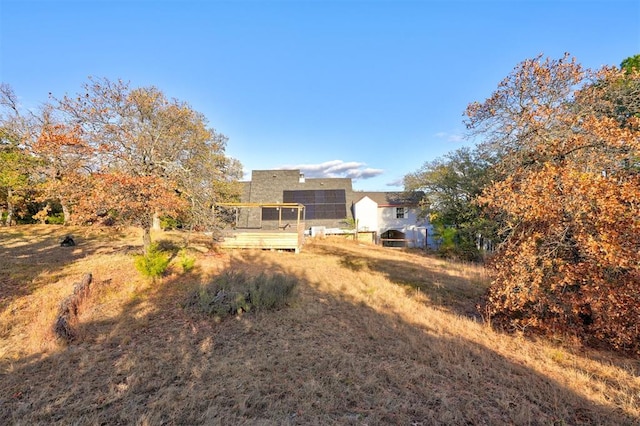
<point x="319" y="203"/>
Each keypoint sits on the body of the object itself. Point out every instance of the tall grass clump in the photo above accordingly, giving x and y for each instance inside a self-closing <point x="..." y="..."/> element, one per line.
<point x="186" y="262"/>
<point x="154" y="263"/>
<point x="271" y="291"/>
<point x="233" y="292"/>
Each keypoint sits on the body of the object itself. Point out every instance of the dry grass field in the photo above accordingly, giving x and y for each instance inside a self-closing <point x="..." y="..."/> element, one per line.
<point x="373" y="336"/>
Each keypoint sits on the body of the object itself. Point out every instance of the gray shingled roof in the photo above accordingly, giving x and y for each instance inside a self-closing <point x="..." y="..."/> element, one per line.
<point x="391" y="198"/>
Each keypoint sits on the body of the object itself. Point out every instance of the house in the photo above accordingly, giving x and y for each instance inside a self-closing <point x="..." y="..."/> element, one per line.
<point x="395" y="218"/>
<point x="331" y="204"/>
<point x="326" y="201"/>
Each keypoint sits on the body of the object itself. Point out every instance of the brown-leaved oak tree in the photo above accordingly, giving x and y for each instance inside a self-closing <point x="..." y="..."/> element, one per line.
<point x="154" y="155"/>
<point x="65" y="166"/>
<point x="568" y="199"/>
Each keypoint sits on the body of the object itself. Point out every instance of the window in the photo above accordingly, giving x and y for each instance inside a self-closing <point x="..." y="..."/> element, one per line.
<point x="400" y="212"/>
<point x="319" y="204"/>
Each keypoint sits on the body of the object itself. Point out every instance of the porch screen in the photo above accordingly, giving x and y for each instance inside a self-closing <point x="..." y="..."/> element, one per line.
<point x="272" y="213"/>
<point x="319" y="203"/>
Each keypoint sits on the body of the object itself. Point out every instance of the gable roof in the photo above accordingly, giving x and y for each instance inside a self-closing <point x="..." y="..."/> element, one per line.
<point x="398" y="199"/>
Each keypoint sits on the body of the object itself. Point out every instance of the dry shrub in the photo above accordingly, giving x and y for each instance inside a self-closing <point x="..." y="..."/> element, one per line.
<point x="235" y="292"/>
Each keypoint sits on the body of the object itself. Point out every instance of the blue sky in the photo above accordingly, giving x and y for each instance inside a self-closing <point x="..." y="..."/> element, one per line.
<point x="367" y="89"/>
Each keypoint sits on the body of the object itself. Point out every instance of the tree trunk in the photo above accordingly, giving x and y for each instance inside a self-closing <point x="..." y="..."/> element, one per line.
<point x="9" y="207"/>
<point x="156" y="222"/>
<point x="146" y="238"/>
<point x="66" y="213"/>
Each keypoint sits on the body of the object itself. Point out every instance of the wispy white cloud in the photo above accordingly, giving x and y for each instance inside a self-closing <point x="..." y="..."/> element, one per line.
<point x="397" y="183"/>
<point x="336" y="168"/>
<point x="450" y="136"/>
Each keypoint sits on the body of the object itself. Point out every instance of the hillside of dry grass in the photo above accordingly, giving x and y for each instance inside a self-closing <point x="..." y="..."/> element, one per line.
<point x="373" y="336"/>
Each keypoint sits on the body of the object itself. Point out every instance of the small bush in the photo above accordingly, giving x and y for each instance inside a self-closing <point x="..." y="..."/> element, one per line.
<point x="168" y="223"/>
<point x="55" y="219"/>
<point x="154" y="263"/>
<point x="232" y="293"/>
<point x="187" y="262"/>
<point x="456" y="245"/>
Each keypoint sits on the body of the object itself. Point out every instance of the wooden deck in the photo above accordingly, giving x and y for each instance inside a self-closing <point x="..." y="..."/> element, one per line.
<point x="264" y="239"/>
<point x="266" y="234"/>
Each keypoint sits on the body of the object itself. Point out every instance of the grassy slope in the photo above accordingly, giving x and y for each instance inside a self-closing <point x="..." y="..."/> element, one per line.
<point x="374" y="337"/>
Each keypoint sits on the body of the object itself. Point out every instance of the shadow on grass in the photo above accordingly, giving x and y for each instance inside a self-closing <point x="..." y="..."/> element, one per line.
<point x="26" y="251"/>
<point x="325" y="359"/>
<point x="443" y="288"/>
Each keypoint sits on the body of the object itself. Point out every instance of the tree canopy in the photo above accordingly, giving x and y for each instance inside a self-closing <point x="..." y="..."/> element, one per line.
<point x="568" y="144"/>
<point x="451" y="185"/>
<point x="555" y="182"/>
<point x="128" y="154"/>
<point x="16" y="164"/>
<point x="631" y="63"/>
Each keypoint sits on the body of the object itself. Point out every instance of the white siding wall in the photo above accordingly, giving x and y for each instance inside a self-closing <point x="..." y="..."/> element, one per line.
<point x="370" y="217"/>
<point x="387" y="218"/>
<point x="366" y="213"/>
<point x="415" y="229"/>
